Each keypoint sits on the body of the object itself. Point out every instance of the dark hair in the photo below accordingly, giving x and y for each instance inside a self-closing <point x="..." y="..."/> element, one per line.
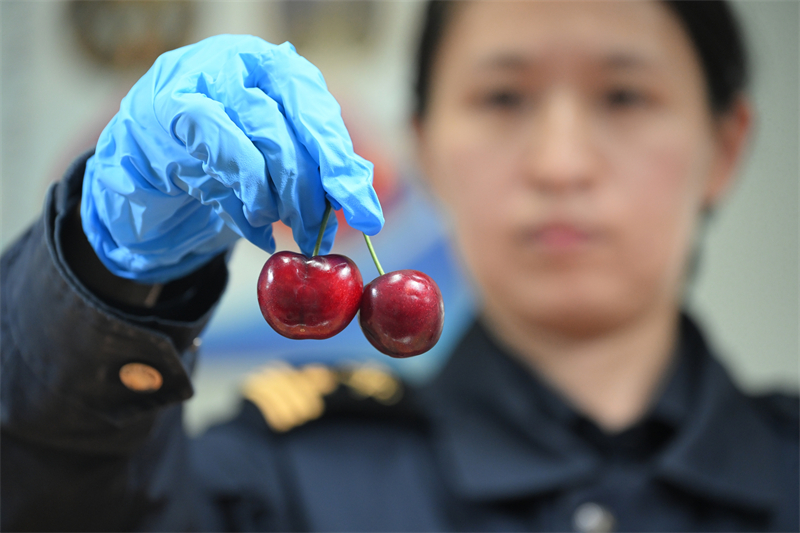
<point x="711" y="25"/>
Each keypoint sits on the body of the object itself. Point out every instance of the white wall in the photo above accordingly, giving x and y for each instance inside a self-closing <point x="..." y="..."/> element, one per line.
<point x="747" y="291"/>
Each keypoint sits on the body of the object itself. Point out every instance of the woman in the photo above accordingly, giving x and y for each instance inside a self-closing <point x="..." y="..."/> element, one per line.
<point x="576" y="148"/>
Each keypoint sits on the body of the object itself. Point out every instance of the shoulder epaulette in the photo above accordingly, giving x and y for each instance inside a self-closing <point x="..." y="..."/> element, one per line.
<point x="289" y="396"/>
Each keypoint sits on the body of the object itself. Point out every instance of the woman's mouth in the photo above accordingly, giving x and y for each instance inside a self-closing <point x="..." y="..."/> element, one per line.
<point x="561" y="237"/>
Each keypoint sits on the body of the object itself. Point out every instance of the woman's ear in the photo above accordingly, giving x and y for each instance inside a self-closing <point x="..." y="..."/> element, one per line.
<point x="733" y="133"/>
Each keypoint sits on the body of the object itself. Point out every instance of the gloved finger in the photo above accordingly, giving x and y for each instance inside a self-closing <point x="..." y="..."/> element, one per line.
<point x="293" y="172"/>
<point x="300" y="92"/>
<point x="234" y="180"/>
<point x="140" y="226"/>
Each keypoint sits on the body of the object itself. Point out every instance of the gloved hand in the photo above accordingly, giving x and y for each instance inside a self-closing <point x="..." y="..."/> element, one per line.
<point x="219" y="140"/>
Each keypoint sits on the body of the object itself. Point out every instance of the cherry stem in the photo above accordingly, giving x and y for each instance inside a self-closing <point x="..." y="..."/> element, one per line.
<point x="372" y="253"/>
<point x="325" y="216"/>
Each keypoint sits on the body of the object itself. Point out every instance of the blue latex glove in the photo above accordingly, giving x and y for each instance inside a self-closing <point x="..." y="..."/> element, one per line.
<point x="219" y="140"/>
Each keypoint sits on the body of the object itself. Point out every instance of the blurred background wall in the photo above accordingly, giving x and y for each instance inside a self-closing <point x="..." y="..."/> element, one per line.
<point x="66" y="65"/>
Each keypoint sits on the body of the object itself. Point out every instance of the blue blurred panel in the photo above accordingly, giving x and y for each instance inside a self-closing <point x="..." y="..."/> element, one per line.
<point x="414" y="237"/>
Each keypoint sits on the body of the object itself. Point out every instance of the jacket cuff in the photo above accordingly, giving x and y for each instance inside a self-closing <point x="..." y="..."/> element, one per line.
<point x="63" y="347"/>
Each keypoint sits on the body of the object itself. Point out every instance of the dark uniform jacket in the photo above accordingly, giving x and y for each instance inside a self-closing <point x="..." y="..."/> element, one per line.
<point x="486" y="446"/>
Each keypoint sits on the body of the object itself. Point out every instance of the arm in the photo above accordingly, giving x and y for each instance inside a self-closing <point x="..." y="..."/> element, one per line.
<point x="216" y="141"/>
<point x="79" y="449"/>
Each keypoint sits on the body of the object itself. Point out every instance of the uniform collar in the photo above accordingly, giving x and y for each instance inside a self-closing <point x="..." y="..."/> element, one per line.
<point x="725" y="450"/>
<point x="502" y="434"/>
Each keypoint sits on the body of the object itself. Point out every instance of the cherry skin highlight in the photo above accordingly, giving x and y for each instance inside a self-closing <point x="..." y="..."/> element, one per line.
<point x="309" y="298"/>
<point x="402" y="313"/>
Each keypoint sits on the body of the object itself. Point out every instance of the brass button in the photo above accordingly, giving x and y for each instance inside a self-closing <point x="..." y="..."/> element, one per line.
<point x="139" y="377"/>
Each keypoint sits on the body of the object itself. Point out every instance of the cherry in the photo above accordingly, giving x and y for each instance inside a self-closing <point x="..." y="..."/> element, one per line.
<point x="309" y="298"/>
<point x="402" y="312"/>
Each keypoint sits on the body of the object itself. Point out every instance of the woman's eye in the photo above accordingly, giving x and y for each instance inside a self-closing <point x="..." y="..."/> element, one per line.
<point x="625" y="98"/>
<point x="504" y="100"/>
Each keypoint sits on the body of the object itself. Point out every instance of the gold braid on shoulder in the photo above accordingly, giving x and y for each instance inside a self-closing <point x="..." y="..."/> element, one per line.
<point x="290" y="396"/>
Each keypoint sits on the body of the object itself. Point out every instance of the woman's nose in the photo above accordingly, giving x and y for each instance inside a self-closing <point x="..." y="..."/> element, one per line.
<point x="559" y="155"/>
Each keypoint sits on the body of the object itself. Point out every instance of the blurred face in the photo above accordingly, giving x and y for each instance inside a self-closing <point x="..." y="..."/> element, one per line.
<point x="573" y="146"/>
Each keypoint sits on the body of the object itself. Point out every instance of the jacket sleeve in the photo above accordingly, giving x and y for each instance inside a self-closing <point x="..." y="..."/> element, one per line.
<point x="80" y="450"/>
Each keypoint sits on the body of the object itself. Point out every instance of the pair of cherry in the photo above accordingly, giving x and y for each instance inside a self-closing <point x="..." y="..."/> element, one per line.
<point x="401" y="313"/>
